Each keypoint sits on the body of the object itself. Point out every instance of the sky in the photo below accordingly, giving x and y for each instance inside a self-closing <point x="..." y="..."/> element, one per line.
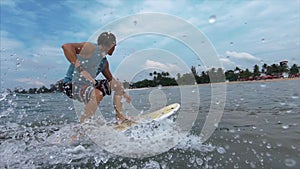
<point x="242" y="33"/>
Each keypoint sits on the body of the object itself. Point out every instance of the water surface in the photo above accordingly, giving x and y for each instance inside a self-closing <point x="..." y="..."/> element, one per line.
<point x="259" y="129"/>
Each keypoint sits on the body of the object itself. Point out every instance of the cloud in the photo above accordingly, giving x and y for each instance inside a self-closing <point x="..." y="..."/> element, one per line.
<point x="241" y="55"/>
<point x="114" y="3"/>
<point x="29" y="81"/>
<point x="162" y="66"/>
<point x="78" y="35"/>
<point x="94" y="16"/>
<point x="17" y="15"/>
<point x="43" y="58"/>
<point x="158" y="6"/>
<point x="227" y="63"/>
<point x="9" y="4"/>
<point x="7" y="42"/>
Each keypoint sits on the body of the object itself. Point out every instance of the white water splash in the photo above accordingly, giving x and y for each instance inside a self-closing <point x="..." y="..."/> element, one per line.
<point x="3" y="95"/>
<point x="67" y="144"/>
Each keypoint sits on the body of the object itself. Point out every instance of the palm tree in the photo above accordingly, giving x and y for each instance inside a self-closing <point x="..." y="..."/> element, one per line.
<point x="256" y="72"/>
<point x="194" y="71"/>
<point x="237" y="69"/>
<point x="294" y="69"/>
<point x="275" y="69"/>
<point x="264" y="68"/>
<point x="178" y="75"/>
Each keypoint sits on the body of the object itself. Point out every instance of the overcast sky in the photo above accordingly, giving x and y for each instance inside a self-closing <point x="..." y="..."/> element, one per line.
<point x="243" y="33"/>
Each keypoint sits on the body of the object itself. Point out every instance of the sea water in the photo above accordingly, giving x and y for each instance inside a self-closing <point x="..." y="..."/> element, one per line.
<point x="259" y="129"/>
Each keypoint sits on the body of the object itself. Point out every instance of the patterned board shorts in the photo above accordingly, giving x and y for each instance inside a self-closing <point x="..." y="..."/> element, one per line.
<point x="81" y="93"/>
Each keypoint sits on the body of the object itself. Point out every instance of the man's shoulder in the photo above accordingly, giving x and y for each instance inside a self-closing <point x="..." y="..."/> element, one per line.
<point x="87" y="50"/>
<point x="89" y="44"/>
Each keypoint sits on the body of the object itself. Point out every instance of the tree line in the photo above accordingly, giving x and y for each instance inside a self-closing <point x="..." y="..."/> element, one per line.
<point x="57" y="87"/>
<point x="213" y="75"/>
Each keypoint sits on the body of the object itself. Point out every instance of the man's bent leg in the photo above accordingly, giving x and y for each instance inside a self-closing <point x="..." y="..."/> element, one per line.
<point x="118" y="89"/>
<point x="91" y="106"/>
<point x="119" y="107"/>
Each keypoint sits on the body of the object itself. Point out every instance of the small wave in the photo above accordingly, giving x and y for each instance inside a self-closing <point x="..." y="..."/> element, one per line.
<point x="67" y="145"/>
<point x="3" y="95"/>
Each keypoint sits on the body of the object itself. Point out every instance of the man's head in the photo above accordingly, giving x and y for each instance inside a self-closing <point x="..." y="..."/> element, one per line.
<point x="107" y="42"/>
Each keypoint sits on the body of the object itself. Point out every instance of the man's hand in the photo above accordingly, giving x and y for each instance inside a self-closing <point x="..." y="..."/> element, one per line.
<point x="103" y="86"/>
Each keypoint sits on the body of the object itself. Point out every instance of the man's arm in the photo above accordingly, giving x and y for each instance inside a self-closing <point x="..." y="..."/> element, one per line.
<point x="106" y="72"/>
<point x="117" y="85"/>
<point x="70" y="51"/>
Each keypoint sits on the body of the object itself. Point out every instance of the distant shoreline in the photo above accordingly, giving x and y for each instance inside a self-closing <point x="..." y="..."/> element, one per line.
<point x="266" y="80"/>
<point x="253" y="81"/>
<point x="206" y="84"/>
<point x="232" y="82"/>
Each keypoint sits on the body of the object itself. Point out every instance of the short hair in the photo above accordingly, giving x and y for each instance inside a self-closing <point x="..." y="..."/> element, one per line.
<point x="106" y="39"/>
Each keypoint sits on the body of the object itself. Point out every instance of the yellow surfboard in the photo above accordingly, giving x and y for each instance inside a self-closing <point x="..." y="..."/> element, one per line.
<point x="157" y="115"/>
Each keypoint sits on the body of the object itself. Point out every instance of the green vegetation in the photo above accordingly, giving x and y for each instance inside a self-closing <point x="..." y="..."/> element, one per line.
<point x="218" y="75"/>
<point x="211" y="76"/>
<point x="158" y="79"/>
<point x="57" y="87"/>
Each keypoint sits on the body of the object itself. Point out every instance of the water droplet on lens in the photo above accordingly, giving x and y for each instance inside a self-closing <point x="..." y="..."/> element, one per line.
<point x="212" y="19"/>
<point x="221" y="150"/>
<point x="288" y="111"/>
<point x="263" y="40"/>
<point x="263" y="85"/>
<point x="192" y="159"/>
<point x="135" y="22"/>
<point x="290" y="162"/>
<point x="199" y="161"/>
<point x="252" y="164"/>
<point x="285" y="126"/>
<point x="159" y="87"/>
<point x="295" y="97"/>
<point x="131" y="139"/>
